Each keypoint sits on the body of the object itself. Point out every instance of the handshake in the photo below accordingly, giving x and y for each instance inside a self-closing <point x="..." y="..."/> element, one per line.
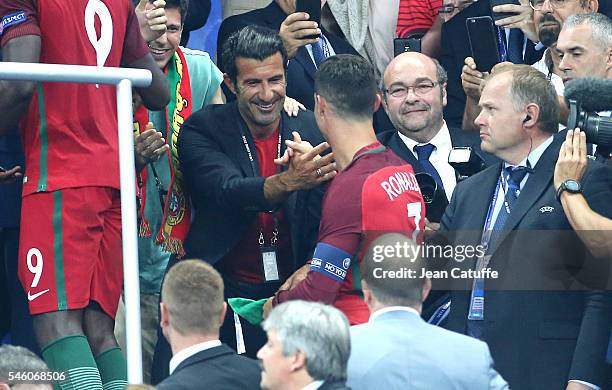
<point x="306" y="168"/>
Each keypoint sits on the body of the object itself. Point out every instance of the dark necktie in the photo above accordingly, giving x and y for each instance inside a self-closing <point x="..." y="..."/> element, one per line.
<point x="513" y="177"/>
<point x="423" y="153"/>
<point x="516" y="39"/>
<point x="320" y="51"/>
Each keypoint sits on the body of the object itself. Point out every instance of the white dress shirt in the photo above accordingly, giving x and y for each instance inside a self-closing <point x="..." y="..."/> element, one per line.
<point x="388" y="309"/>
<point x="188" y="352"/>
<point x="533" y="159"/>
<point x="439" y="157"/>
<point x="313" y="385"/>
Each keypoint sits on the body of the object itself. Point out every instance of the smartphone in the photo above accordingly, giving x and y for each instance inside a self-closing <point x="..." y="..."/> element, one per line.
<point x="483" y="42"/>
<point x="402" y="45"/>
<point x="313" y="9"/>
<point x="501" y="15"/>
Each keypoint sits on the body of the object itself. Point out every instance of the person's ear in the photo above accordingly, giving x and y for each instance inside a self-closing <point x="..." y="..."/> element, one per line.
<point x="444" y="95"/>
<point x="377" y="102"/>
<point x="223" y="313"/>
<point x="426" y="289"/>
<point x="229" y="83"/>
<point x="298" y="361"/>
<point x="531" y="115"/>
<point x="164" y="317"/>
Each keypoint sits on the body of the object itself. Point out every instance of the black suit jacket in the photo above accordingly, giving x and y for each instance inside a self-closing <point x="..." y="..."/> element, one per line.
<point x="455" y="48"/>
<point x="540" y="333"/>
<point x="225" y="193"/>
<point x="334" y="385"/>
<point x="218" y="368"/>
<point x="301" y="69"/>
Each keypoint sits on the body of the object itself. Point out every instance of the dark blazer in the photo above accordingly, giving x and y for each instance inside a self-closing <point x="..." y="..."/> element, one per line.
<point x="225" y="193"/>
<point x="455" y="47"/>
<point x="301" y="69"/>
<point x="334" y="385"/>
<point x="459" y="137"/>
<point x="218" y="368"/>
<point x="540" y="333"/>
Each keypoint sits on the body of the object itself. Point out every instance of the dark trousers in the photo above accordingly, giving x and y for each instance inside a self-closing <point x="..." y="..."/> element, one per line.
<point x="254" y="336"/>
<point x="20" y="328"/>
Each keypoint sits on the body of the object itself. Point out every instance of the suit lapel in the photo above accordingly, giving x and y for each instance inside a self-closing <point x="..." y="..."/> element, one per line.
<point x="303" y="58"/>
<point x="235" y="143"/>
<point x="488" y="180"/>
<point x="398" y="146"/>
<point x="206" y="354"/>
<point x="537" y="182"/>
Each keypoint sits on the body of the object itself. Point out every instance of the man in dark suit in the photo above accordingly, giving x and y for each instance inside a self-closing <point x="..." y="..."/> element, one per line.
<point x="456" y="47"/>
<point x="192" y="309"/>
<point x="308" y="348"/>
<point x="304" y="53"/>
<point x="541" y="334"/>
<point x="254" y="222"/>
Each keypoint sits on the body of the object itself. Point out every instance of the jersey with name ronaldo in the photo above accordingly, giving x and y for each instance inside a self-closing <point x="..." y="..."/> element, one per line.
<point x="376" y="193"/>
<point x="70" y="130"/>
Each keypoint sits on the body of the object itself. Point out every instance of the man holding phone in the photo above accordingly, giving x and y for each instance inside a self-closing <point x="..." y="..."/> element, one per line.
<point x="541" y="21"/>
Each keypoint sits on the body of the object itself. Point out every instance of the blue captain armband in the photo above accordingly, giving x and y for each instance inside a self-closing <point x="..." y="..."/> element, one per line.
<point x="330" y="261"/>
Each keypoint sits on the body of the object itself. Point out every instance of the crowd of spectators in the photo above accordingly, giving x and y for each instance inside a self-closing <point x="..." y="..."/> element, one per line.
<point x="289" y="187"/>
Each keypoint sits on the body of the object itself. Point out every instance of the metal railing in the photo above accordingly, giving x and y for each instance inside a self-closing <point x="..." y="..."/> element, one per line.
<point x="124" y="79"/>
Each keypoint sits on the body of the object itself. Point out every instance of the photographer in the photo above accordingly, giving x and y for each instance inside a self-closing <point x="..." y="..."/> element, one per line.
<point x="592" y="228"/>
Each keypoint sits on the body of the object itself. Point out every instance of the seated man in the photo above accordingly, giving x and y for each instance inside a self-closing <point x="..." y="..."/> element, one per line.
<point x="396" y="349"/>
<point x="192" y="310"/>
<point x="308" y="348"/>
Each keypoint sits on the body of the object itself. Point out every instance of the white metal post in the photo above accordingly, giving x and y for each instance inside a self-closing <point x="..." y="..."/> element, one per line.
<point x="124" y="79"/>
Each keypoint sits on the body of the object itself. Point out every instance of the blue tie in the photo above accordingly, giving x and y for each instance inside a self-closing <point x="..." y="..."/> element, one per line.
<point x="423" y="153"/>
<point x="516" y="39"/>
<point x="320" y="51"/>
<point x="513" y="177"/>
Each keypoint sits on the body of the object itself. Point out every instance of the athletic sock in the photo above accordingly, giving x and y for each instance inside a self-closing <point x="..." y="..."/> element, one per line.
<point x="72" y="354"/>
<point x="113" y="369"/>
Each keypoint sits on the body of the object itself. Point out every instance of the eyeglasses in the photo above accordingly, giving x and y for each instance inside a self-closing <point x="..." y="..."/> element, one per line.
<point x="537" y="5"/>
<point x="420" y="89"/>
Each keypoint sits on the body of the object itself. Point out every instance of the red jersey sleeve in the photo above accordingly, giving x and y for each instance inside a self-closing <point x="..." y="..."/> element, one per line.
<point x="134" y="46"/>
<point x="19" y="18"/>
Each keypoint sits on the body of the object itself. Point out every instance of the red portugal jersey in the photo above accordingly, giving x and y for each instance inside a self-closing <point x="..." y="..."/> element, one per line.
<point x="70" y="130"/>
<point x="377" y="193"/>
<point x="416" y="16"/>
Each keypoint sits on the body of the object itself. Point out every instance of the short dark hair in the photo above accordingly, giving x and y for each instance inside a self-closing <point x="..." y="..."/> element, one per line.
<point x="348" y="82"/>
<point x="182" y="5"/>
<point x="378" y="261"/>
<point x="254" y="42"/>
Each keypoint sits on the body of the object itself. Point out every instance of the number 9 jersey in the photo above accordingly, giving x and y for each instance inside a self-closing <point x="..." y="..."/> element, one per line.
<point x="70" y="130"/>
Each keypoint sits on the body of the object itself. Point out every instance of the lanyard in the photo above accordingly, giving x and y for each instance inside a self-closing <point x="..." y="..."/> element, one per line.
<point x="274" y="238"/>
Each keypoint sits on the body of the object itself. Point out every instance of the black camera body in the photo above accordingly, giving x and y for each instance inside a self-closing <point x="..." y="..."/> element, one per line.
<point x="598" y="129"/>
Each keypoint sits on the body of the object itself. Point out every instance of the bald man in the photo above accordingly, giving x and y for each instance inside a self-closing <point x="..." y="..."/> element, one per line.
<point x="414" y="96"/>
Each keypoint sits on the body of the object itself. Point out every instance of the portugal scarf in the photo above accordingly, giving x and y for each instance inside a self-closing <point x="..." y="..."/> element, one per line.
<point x="177" y="210"/>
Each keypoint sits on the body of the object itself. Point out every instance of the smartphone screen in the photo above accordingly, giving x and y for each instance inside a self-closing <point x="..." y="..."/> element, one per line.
<point x="483" y="42"/>
<point x="312" y="8"/>
<point x="501" y="15"/>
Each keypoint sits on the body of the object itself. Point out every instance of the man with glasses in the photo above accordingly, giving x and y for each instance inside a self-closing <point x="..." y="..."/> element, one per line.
<point x="414" y="97"/>
<point x="541" y="21"/>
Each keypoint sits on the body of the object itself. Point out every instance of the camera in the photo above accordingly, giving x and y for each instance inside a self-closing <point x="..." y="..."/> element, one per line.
<point x="598" y="129"/>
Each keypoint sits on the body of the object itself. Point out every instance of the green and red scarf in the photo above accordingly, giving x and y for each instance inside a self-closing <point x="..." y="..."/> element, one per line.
<point x="177" y="209"/>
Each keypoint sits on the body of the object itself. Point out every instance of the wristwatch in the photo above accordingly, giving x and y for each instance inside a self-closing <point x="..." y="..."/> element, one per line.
<point x="569" y="185"/>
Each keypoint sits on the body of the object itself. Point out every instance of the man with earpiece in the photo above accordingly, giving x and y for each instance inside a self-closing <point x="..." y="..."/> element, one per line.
<point x="541" y="308"/>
